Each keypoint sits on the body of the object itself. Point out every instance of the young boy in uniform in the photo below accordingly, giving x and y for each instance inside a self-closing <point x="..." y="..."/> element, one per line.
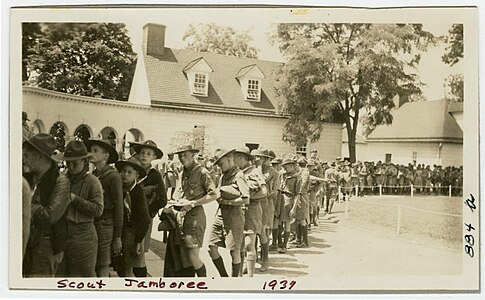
<point x="136" y="218"/>
<point x="155" y="192"/>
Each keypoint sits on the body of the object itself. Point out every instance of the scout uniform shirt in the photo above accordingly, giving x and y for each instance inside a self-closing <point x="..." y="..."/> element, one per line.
<point x="254" y="214"/>
<point x="196" y="183"/>
<point x="291" y="187"/>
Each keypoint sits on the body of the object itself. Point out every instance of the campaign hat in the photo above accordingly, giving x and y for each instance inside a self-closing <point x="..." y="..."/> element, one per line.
<point x="261" y="153"/>
<point x="106" y="145"/>
<point x="184" y="148"/>
<point x="245" y="150"/>
<point x="220" y="153"/>
<point x="132" y="162"/>
<point x="150" y="145"/>
<point x="75" y="150"/>
<point x="44" y="143"/>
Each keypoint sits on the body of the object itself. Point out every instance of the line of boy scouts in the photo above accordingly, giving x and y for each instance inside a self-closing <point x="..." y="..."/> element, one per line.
<point x="82" y="222"/>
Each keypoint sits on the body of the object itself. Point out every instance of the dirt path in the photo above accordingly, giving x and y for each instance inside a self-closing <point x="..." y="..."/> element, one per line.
<point x="339" y="250"/>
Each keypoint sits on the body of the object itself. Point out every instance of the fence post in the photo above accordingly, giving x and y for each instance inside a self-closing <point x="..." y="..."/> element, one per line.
<point x="449" y="191"/>
<point x="380" y="189"/>
<point x="346" y="209"/>
<point x="398" y="218"/>
<point x="339" y="193"/>
<point x="412" y="190"/>
<point x="357" y="191"/>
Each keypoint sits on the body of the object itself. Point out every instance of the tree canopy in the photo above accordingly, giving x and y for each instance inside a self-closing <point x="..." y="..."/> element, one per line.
<point x="89" y="59"/>
<point x="454" y="49"/>
<point x="348" y="68"/>
<point x="219" y="39"/>
<point x="453" y="54"/>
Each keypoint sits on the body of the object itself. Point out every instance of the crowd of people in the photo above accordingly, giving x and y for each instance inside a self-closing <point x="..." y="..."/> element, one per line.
<point x="98" y="212"/>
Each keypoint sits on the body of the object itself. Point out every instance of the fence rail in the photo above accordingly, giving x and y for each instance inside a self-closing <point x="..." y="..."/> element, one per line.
<point x="399" y="208"/>
<point x="411" y="188"/>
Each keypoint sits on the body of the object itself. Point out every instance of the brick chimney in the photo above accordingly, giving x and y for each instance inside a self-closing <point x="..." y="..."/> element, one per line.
<point x="153" y="39"/>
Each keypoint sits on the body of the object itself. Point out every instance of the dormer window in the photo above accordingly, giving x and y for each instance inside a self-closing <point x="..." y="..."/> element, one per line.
<point x="197" y="72"/>
<point x="254" y="89"/>
<point x="250" y="80"/>
<point x="200" y="86"/>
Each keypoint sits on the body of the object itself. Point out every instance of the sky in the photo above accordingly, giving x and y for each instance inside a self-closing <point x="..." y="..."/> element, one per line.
<point x="431" y="70"/>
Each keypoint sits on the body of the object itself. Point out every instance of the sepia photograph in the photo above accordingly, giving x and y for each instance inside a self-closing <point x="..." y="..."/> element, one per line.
<point x="288" y="149"/>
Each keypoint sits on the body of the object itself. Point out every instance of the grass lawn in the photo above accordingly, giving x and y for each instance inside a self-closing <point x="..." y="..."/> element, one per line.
<point x="380" y="214"/>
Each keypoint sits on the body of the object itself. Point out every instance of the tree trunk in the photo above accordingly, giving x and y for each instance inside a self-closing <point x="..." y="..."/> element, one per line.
<point x="351" y="142"/>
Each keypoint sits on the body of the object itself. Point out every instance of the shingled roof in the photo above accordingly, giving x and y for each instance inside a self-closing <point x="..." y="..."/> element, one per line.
<point x="169" y="85"/>
<point x="426" y="121"/>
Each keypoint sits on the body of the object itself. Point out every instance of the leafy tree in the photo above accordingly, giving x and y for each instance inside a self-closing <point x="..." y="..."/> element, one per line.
<point x="455" y="84"/>
<point x="454" y="50"/>
<point x="59" y="133"/>
<point x="89" y="59"/>
<point x="219" y="39"/>
<point x="453" y="54"/>
<point x="348" y="68"/>
<point x="30" y="32"/>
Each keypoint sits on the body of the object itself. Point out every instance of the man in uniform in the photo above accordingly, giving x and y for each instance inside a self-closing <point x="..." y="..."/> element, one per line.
<point x="228" y="227"/>
<point x="277" y="226"/>
<point x="253" y="224"/>
<point x="171" y="175"/>
<point x="331" y="178"/>
<point x="197" y="190"/>
<point x="267" y="204"/>
<point x="290" y="192"/>
<point x="50" y="199"/>
<point x="301" y="211"/>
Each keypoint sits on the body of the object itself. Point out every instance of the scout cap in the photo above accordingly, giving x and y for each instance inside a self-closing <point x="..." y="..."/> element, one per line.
<point x="277" y="160"/>
<point x="288" y="160"/>
<point x="261" y="153"/>
<point x="184" y="148"/>
<point x="220" y="153"/>
<point x="106" y="145"/>
<point x="75" y="150"/>
<point x="132" y="162"/>
<point x="245" y="151"/>
<point x="229" y="192"/>
<point x="150" y="145"/>
<point x="25" y="117"/>
<point x="44" y="143"/>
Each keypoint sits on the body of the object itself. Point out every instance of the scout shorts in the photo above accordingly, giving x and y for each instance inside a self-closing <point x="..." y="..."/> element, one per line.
<point x="104" y="230"/>
<point x="80" y="254"/>
<point x="227" y="229"/>
<point x="253" y="218"/>
<point x="194" y="227"/>
<point x="267" y="207"/>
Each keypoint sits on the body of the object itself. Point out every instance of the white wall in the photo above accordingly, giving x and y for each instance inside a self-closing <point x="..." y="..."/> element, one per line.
<point x="360" y="149"/>
<point x="161" y="125"/>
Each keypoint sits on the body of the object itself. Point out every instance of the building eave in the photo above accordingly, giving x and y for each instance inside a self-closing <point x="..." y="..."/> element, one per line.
<point x="415" y="140"/>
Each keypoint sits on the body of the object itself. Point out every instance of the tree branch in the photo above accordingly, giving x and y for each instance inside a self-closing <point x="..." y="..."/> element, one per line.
<point x="329" y="33"/>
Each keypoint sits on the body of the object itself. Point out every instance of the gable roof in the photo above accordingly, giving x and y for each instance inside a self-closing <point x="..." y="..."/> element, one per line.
<point x="196" y="62"/>
<point x="420" y="121"/>
<point x="168" y="84"/>
<point x="246" y="70"/>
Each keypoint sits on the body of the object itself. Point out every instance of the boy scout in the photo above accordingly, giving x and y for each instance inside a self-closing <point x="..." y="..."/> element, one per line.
<point x="110" y="224"/>
<point x="301" y="210"/>
<point x="197" y="190"/>
<point x="50" y="199"/>
<point x="290" y="191"/>
<point x="155" y="192"/>
<point x="228" y="227"/>
<point x="267" y="204"/>
<point x="254" y="215"/>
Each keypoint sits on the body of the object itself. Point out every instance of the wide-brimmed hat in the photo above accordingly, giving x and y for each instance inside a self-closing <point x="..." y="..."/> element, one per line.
<point x="302" y="160"/>
<point x="311" y="163"/>
<point x="220" y="153"/>
<point x="245" y="150"/>
<point x="132" y="162"/>
<point x="261" y="153"/>
<point x="106" y="145"/>
<point x="289" y="160"/>
<point x="75" y="150"/>
<point x="150" y="145"/>
<point x="25" y="117"/>
<point x="184" y="148"/>
<point x="276" y="160"/>
<point x="44" y="143"/>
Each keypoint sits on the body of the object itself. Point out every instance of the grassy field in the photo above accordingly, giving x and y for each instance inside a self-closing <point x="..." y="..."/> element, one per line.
<point x="380" y="214"/>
